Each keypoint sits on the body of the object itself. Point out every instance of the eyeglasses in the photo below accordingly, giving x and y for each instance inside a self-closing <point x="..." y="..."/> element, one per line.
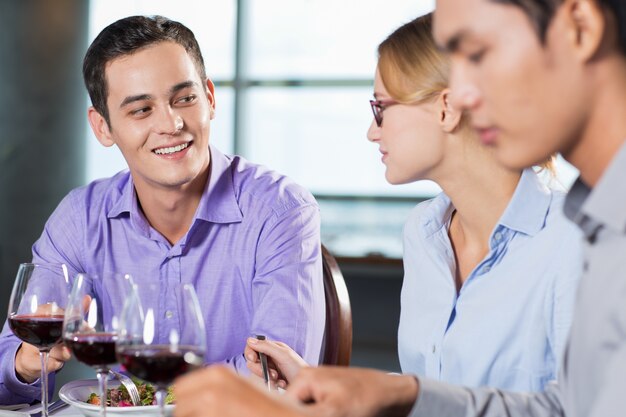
<point x="377" y="108"/>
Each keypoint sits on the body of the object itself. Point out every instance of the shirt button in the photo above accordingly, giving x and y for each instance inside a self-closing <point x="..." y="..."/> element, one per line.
<point x="169" y="314"/>
<point x="434" y="349"/>
<point x="486" y="269"/>
<point x="498" y="236"/>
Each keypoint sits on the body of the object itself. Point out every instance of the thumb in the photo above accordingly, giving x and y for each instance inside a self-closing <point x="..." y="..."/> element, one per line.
<point x="86" y="302"/>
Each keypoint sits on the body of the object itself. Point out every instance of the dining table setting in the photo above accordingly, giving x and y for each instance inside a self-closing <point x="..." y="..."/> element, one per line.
<point x="47" y="307"/>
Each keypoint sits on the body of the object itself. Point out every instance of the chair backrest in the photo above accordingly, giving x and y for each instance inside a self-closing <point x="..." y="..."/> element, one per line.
<point x="337" y="347"/>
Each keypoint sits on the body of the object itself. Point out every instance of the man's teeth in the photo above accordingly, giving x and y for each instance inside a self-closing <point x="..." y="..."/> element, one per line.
<point x="166" y="151"/>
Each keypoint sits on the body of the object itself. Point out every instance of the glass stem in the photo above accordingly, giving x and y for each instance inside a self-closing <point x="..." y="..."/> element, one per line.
<point x="160" y="397"/>
<point x="102" y="375"/>
<point x="44" y="383"/>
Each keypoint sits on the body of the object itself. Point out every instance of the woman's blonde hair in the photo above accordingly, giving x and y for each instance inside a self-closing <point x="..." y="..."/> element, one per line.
<point x="410" y="65"/>
<point x="413" y="70"/>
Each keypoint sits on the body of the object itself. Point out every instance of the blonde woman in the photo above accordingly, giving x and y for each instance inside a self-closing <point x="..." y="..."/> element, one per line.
<point x="491" y="264"/>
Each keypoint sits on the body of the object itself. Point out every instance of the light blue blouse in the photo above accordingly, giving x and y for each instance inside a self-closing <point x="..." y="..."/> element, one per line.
<point x="508" y="325"/>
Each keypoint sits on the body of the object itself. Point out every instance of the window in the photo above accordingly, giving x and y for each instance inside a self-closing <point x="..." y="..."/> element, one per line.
<point x="293" y="82"/>
<point x="304" y="77"/>
<point x="210" y="20"/>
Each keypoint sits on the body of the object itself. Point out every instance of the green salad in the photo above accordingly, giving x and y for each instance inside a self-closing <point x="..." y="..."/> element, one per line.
<point x="119" y="397"/>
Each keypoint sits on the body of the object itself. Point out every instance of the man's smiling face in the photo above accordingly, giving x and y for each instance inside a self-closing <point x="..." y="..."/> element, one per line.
<point x="160" y="112"/>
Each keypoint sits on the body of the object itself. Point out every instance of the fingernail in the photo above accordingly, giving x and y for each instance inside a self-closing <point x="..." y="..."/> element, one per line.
<point x="251" y="357"/>
<point x="252" y="341"/>
<point x="274" y="374"/>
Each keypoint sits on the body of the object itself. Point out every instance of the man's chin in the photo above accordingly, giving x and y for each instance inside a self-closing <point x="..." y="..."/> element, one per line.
<point x="518" y="159"/>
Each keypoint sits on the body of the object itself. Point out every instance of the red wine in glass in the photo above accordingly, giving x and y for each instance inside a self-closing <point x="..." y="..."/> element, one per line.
<point x="91" y="318"/>
<point x="155" y="348"/>
<point x="159" y="364"/>
<point x="96" y="349"/>
<point x="38" y="330"/>
<point x="36" y="311"/>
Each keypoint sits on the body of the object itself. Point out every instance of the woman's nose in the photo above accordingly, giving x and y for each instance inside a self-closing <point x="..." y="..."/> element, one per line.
<point x="373" y="132"/>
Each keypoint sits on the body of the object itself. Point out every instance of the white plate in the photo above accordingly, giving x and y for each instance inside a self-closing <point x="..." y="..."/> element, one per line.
<point x="75" y="393"/>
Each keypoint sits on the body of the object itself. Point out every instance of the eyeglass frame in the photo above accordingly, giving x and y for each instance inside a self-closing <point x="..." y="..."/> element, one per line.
<point x="377" y="109"/>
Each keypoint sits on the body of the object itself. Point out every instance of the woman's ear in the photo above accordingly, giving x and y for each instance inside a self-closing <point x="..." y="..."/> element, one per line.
<point x="449" y="117"/>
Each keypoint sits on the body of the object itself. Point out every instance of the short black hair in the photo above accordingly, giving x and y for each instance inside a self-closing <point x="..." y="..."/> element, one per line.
<point x="541" y="13"/>
<point x="125" y="37"/>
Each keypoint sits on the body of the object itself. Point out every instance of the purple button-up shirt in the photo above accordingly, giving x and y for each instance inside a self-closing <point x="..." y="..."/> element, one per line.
<point x="252" y="253"/>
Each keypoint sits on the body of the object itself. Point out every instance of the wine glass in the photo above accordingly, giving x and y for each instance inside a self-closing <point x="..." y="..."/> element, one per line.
<point x="36" y="310"/>
<point x="161" y="335"/>
<point x="91" y="323"/>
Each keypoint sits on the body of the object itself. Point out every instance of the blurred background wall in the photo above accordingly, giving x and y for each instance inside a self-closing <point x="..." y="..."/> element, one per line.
<point x="42" y="120"/>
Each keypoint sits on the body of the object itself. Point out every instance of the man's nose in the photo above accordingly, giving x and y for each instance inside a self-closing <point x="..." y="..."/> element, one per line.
<point x="464" y="94"/>
<point x="170" y="122"/>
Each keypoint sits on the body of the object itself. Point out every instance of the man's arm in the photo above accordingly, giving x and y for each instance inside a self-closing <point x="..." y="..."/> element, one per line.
<point x="353" y="392"/>
<point x="444" y="400"/>
<point x="288" y="288"/>
<point x="12" y="389"/>
<point x="217" y="391"/>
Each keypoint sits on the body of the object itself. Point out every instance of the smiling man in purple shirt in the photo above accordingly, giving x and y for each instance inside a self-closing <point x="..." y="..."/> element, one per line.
<point x="246" y="237"/>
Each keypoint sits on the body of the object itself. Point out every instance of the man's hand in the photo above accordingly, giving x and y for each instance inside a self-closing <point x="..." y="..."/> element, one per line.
<point x="216" y="391"/>
<point x="28" y="363"/>
<point x="284" y="361"/>
<point x="354" y="392"/>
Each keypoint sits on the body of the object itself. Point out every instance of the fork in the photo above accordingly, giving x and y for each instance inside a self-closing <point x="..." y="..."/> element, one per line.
<point x="130" y="386"/>
<point x="263" y="358"/>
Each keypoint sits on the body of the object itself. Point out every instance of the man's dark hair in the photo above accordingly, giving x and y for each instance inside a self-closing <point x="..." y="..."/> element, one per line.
<point x="541" y="12"/>
<point x="125" y="37"/>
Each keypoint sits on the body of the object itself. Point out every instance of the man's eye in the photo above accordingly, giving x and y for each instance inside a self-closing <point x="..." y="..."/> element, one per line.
<point x="476" y="57"/>
<point x="141" y="111"/>
<point x="186" y="99"/>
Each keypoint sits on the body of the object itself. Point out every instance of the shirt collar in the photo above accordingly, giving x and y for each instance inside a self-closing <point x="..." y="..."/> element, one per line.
<point x="529" y="206"/>
<point x="604" y="204"/>
<point x="437" y="215"/>
<point x="218" y="203"/>
<point x="127" y="201"/>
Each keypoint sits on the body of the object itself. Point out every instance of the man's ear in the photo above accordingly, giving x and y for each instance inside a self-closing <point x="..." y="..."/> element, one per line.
<point x="211" y="96"/>
<point x="100" y="127"/>
<point x="449" y="117"/>
<point x="587" y="27"/>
